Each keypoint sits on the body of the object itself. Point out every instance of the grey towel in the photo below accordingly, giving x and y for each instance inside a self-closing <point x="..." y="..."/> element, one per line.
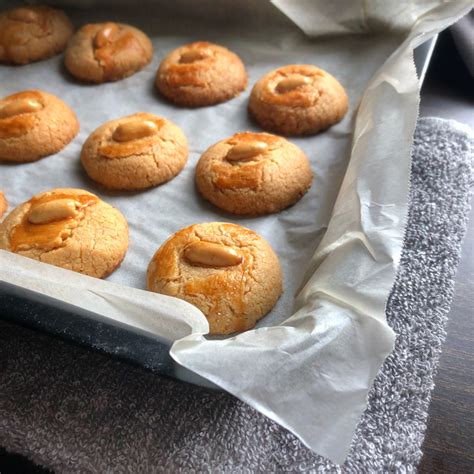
<point x="78" y="411"/>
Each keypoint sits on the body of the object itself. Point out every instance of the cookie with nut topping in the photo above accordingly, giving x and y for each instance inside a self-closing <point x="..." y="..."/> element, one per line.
<point x="298" y="100"/>
<point x="135" y="152"/>
<point x="229" y="272"/>
<point x="31" y="33"/>
<point x="253" y="174"/>
<point x="199" y="74"/>
<point x="103" y="52"/>
<point x="68" y="228"/>
<point x="3" y="204"/>
<point x="34" y="124"/>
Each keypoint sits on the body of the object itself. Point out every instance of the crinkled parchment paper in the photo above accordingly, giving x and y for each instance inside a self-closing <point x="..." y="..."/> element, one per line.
<point x="310" y="363"/>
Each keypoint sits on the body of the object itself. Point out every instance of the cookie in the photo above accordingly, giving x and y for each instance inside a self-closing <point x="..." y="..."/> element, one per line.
<point x="68" y="228"/>
<point x="34" y="124"/>
<point x="229" y="272"/>
<point x="31" y="33"/>
<point x="103" y="52"/>
<point x="135" y="152"/>
<point x="297" y="100"/>
<point x="199" y="74"/>
<point x="3" y="204"/>
<point x="253" y="174"/>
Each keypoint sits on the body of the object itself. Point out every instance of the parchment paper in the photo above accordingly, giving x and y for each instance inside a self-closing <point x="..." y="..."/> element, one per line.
<point x="312" y="372"/>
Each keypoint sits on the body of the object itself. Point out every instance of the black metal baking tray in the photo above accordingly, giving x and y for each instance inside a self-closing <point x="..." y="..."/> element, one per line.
<point x="88" y="329"/>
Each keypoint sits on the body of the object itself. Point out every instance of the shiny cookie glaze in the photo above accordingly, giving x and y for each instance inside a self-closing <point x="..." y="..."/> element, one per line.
<point x="199" y="74"/>
<point x="318" y="102"/>
<point x="92" y="241"/>
<point x="233" y="296"/>
<point x="271" y="178"/>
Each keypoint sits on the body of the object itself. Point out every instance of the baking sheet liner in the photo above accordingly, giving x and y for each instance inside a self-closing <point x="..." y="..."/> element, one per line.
<point x="339" y="246"/>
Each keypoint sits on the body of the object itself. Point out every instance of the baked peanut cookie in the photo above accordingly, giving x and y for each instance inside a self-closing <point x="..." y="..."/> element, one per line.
<point x="31" y="33"/>
<point x="3" y="204"/>
<point x="34" y="124"/>
<point x="298" y="100"/>
<point x="68" y="228"/>
<point x="253" y="174"/>
<point x="135" y="152"/>
<point x="201" y="73"/>
<point x="229" y="272"/>
<point x="103" y="52"/>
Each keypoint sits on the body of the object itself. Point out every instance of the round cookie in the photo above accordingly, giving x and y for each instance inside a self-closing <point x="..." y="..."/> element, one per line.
<point x="298" y="100"/>
<point x="253" y="174"/>
<point x="135" y="152"/>
<point x="31" y="33"/>
<point x="68" y="228"/>
<point x="3" y="204"/>
<point x="199" y="74"/>
<point x="102" y="52"/>
<point x="34" y="124"/>
<point x="229" y="272"/>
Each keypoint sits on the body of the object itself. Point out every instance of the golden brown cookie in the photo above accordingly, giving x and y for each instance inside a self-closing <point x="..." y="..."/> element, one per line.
<point x="135" y="152"/>
<point x="229" y="272"/>
<point x="31" y="33"/>
<point x="253" y="174"/>
<point x="102" y="52"/>
<point x="201" y="73"/>
<point x="69" y="228"/>
<point x="3" y="204"/>
<point x="34" y="124"/>
<point x="298" y="100"/>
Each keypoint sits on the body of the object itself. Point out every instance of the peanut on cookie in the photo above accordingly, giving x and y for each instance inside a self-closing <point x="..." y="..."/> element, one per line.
<point x="103" y="52"/>
<point x="30" y="33"/>
<point x="68" y="228"/>
<point x="229" y="272"/>
<point x="253" y="174"/>
<point x="199" y="74"/>
<point x="34" y="124"/>
<point x="298" y="100"/>
<point x="3" y="204"/>
<point x="135" y="152"/>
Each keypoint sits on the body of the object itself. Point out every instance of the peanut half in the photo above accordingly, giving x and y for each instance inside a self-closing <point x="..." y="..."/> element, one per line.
<point x="209" y="254"/>
<point x="245" y="151"/>
<point x="291" y="83"/>
<point x="192" y="55"/>
<point x="52" y="211"/>
<point x="20" y="106"/>
<point x="104" y="35"/>
<point x="128" y="131"/>
<point x="24" y="14"/>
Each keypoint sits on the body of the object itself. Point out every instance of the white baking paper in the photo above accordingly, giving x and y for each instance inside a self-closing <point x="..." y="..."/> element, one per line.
<point x="310" y="363"/>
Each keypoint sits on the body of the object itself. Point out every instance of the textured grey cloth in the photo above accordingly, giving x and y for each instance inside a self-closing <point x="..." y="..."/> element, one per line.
<point x="77" y="411"/>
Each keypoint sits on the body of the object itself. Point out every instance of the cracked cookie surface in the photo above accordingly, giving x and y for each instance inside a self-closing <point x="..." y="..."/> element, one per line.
<point x="103" y="52"/>
<point x="253" y="174"/>
<point x="154" y="151"/>
<point x="34" y="124"/>
<point x="68" y="228"/>
<point x="31" y="33"/>
<point x="229" y="272"/>
<point x="298" y="100"/>
<point x="199" y="74"/>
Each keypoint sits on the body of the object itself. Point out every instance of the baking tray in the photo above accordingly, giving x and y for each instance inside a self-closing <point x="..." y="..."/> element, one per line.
<point x="79" y="326"/>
